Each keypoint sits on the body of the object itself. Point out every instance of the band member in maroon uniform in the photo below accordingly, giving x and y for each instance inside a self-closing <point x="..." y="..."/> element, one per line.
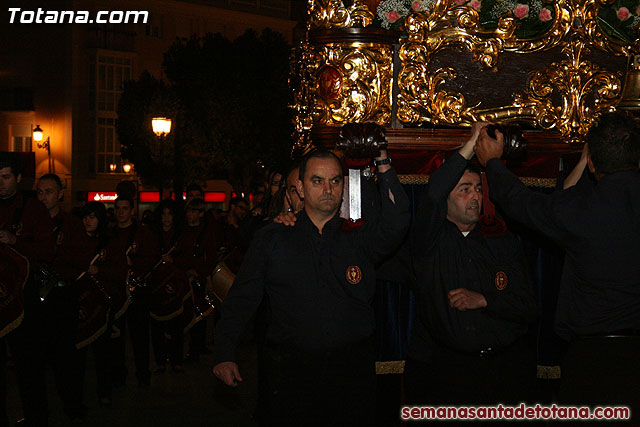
<point x="196" y="254"/>
<point x="26" y="227"/>
<point x="167" y="336"/>
<point x="130" y="254"/>
<point x="61" y="303"/>
<point x="78" y="254"/>
<point x="51" y="194"/>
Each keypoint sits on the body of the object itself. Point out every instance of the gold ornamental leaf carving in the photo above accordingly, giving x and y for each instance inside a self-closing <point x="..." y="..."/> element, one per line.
<point x="334" y="14"/>
<point x="365" y="93"/>
<point x="585" y="92"/>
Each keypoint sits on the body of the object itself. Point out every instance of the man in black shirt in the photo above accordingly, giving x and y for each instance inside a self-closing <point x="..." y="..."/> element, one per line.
<point x="474" y="299"/>
<point x="319" y="278"/>
<point x="599" y="227"/>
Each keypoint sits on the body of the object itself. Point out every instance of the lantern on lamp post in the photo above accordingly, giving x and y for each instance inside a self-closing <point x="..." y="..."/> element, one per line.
<point x="161" y="126"/>
<point x="38" y="136"/>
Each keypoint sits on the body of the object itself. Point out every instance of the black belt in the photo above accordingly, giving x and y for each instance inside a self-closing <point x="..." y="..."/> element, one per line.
<point x="485" y="353"/>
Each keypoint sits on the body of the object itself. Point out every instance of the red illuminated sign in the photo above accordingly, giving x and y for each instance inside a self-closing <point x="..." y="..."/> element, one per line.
<point x="149" y="196"/>
<point x="102" y="196"/>
<point x="215" y="196"/>
<point x="173" y="195"/>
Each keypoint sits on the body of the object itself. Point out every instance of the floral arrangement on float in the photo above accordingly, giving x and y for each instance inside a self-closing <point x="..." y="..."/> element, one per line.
<point x="619" y="19"/>
<point x="391" y="13"/>
<point x="534" y="16"/>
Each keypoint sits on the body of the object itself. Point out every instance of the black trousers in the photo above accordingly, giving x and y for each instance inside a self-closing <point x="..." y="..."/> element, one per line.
<point x="330" y="388"/>
<point x="198" y="335"/>
<point x="138" y="319"/>
<point x="601" y="371"/>
<point x="61" y="314"/>
<point x="507" y="376"/>
<point x="109" y="355"/>
<point x="4" y="419"/>
<point x="167" y="338"/>
<point x="26" y="344"/>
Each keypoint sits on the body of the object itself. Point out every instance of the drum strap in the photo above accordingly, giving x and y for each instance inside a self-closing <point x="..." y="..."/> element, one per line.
<point x="197" y="246"/>
<point x="17" y="217"/>
<point x="130" y="239"/>
<point x="172" y="242"/>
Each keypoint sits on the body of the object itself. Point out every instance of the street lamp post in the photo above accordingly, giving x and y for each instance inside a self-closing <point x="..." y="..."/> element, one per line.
<point x="162" y="127"/>
<point x="38" y="135"/>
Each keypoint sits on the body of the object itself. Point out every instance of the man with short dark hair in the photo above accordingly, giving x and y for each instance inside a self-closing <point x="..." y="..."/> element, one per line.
<point x="598" y="225"/>
<point x="238" y="208"/>
<point x="25" y="226"/>
<point x="294" y="203"/>
<point x="50" y="193"/>
<point x="194" y="191"/>
<point x="319" y="280"/>
<point x="474" y="298"/>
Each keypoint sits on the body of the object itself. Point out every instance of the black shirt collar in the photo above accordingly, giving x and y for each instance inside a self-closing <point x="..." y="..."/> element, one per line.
<point x="329" y="228"/>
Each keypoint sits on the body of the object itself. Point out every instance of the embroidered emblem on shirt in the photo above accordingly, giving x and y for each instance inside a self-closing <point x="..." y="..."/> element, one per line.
<point x="501" y="280"/>
<point x="354" y="275"/>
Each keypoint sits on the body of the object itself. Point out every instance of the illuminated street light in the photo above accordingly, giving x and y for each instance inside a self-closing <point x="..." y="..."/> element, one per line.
<point x="161" y="126"/>
<point x="38" y="136"/>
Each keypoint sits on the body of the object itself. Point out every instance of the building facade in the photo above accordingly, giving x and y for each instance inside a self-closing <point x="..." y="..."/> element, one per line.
<point x="67" y="77"/>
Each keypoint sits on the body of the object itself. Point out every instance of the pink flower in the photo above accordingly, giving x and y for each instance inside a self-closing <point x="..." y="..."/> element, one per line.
<point x="475" y="4"/>
<point x="460" y="2"/>
<point x="544" y="15"/>
<point x="416" y="6"/>
<point x="521" y="11"/>
<point x="392" y="16"/>
<point x="623" y="14"/>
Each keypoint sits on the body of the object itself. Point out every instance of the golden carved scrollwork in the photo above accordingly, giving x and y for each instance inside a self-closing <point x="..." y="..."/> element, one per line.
<point x="584" y="89"/>
<point x="334" y="14"/>
<point x="365" y="73"/>
<point x="302" y="62"/>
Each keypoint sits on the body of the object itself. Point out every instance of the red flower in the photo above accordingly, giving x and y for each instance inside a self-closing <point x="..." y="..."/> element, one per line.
<point x="475" y="4"/>
<point x="623" y="14"/>
<point x="521" y="11"/>
<point x="392" y="16"/>
<point x="544" y="15"/>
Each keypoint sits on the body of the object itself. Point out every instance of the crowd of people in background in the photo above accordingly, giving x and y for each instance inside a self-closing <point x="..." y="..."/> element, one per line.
<point x="309" y="276"/>
<point x="116" y="277"/>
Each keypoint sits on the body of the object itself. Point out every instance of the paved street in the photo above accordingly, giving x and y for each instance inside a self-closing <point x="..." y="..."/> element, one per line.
<point x="192" y="398"/>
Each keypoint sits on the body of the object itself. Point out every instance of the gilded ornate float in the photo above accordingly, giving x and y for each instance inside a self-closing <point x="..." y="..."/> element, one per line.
<point x="428" y="68"/>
